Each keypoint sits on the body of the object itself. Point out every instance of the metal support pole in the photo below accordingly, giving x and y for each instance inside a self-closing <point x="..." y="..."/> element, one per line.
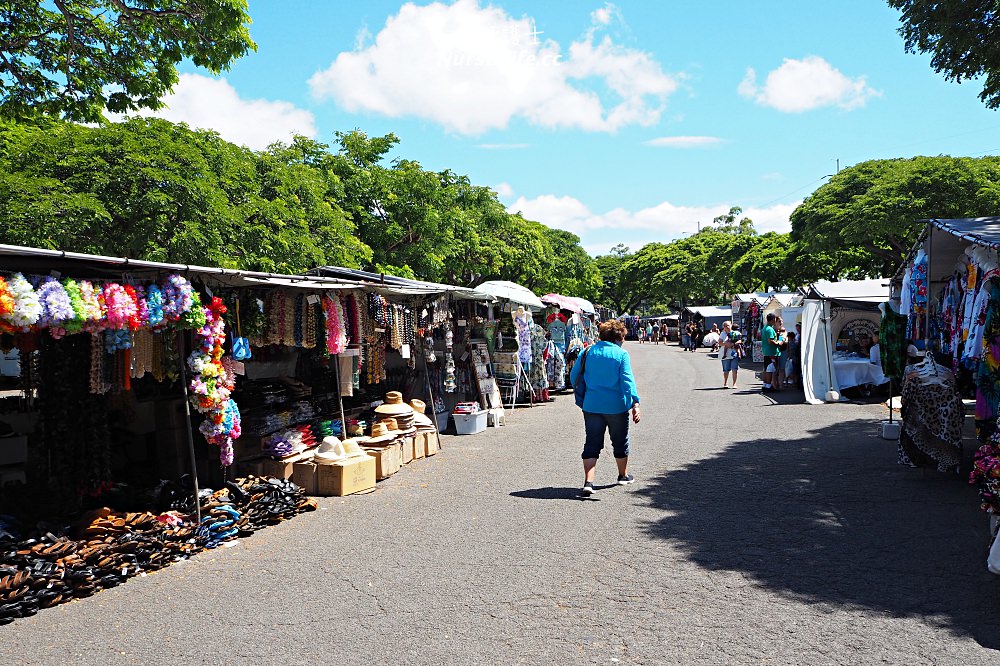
<point x="340" y="397"/>
<point x="190" y="437"/>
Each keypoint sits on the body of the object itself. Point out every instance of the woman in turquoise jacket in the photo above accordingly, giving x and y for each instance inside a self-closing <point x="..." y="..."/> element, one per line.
<point x="610" y="395"/>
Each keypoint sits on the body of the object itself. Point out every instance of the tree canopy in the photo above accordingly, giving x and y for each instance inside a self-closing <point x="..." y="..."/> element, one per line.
<point x="962" y="38"/>
<point x="77" y="58"/>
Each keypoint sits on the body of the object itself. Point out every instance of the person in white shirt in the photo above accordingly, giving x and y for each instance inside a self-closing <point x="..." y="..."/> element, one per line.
<point x="875" y="353"/>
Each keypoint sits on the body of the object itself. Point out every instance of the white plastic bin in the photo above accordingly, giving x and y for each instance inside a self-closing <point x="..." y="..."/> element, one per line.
<point x="470" y="424"/>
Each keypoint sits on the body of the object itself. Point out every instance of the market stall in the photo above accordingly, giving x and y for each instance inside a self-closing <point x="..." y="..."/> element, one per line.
<point x="839" y="320"/>
<point x="705" y="316"/>
<point x="949" y="305"/>
<point x="143" y="382"/>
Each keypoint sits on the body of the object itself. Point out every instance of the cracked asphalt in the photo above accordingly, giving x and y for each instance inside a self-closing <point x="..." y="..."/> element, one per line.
<point x="761" y="531"/>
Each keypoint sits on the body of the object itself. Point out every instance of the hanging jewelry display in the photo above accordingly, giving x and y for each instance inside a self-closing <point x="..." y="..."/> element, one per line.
<point x="309" y="341"/>
<point x="288" y="310"/>
<point x="298" y="320"/>
<point x="336" y="334"/>
<point x="275" y="325"/>
<point x="156" y="360"/>
<point x="395" y="330"/>
<point x="142" y="353"/>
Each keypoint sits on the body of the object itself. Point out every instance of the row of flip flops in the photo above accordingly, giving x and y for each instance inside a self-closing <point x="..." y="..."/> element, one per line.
<point x="105" y="548"/>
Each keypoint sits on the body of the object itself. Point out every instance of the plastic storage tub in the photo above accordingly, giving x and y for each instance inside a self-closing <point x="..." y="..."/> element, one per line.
<point x="470" y="424"/>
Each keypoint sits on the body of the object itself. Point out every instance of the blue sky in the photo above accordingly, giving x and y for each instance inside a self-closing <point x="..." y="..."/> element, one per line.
<point x="621" y="122"/>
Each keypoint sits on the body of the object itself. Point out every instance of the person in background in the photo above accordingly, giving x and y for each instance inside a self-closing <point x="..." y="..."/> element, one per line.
<point x="610" y="394"/>
<point x="728" y="340"/>
<point x="649" y="331"/>
<point x="875" y="351"/>
<point x="691" y="329"/>
<point x="790" y="357"/>
<point x="656" y="333"/>
<point x="769" y="348"/>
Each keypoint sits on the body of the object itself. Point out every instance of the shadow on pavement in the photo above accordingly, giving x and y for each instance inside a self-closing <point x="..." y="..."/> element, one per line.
<point x="830" y="518"/>
<point x="553" y="493"/>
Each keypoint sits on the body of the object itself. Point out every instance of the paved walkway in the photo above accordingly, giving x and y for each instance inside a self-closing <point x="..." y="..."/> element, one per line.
<point x="761" y="531"/>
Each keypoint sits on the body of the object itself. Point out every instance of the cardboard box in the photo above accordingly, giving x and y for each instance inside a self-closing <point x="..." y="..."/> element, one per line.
<point x="432" y="444"/>
<point x="14" y="450"/>
<point x="252" y="467"/>
<point x="418" y="446"/>
<point x="388" y="459"/>
<point x="407" y="450"/>
<point x="284" y="468"/>
<point x="345" y="478"/>
<point x="304" y="476"/>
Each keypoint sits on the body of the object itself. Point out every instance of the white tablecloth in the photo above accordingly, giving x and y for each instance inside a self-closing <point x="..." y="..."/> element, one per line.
<point x="857" y="371"/>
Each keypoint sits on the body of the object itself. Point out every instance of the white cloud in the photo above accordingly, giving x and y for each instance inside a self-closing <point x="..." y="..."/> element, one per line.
<point x="503" y="146"/>
<point x="666" y="220"/>
<point x="807" y="84"/>
<point x="504" y="190"/>
<point x="474" y="68"/>
<point x="684" y="141"/>
<point x="206" y="103"/>
<point x="606" y="14"/>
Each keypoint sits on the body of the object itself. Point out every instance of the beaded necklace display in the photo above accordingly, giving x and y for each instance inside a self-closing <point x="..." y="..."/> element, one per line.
<point x="275" y="304"/>
<point x="97" y="383"/>
<point x="156" y="360"/>
<point x="142" y="353"/>
<point x="288" y="312"/>
<point x="395" y="331"/>
<point x="298" y="334"/>
<point x="309" y="341"/>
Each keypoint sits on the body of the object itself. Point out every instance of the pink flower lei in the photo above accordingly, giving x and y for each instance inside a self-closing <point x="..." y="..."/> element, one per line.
<point x="336" y="334"/>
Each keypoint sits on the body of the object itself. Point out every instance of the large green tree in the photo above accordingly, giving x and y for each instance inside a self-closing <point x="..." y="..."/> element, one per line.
<point x="867" y="217"/>
<point x="78" y="58"/>
<point x="961" y="36"/>
<point x="150" y="189"/>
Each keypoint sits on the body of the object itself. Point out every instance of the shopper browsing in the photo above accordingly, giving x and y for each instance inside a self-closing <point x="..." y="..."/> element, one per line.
<point x="728" y="352"/>
<point x="604" y="373"/>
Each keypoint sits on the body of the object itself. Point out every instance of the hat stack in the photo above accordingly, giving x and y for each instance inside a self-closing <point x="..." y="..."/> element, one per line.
<point x="381" y="433"/>
<point x="422" y="422"/>
<point x="332" y="451"/>
<point x="395" y="408"/>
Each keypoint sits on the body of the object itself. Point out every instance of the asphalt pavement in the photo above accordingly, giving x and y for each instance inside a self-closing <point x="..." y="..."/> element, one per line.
<point x="761" y="531"/>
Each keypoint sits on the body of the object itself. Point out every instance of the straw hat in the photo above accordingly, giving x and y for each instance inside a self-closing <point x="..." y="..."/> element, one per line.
<point x="401" y="426"/>
<point x="393" y="405"/>
<point x="418" y="405"/>
<point x="422" y="421"/>
<point x="381" y="433"/>
<point x="332" y="451"/>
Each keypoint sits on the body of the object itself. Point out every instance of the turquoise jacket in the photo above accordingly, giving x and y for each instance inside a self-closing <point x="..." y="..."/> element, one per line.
<point x="610" y="383"/>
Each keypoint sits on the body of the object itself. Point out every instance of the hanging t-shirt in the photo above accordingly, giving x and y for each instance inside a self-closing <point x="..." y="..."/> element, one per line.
<point x="557" y="331"/>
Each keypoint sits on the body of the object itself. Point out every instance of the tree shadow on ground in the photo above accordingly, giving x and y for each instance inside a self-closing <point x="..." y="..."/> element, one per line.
<point x="830" y="518"/>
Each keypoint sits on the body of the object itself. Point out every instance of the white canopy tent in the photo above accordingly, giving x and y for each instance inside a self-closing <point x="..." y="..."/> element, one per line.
<point x="824" y="303"/>
<point x="513" y="292"/>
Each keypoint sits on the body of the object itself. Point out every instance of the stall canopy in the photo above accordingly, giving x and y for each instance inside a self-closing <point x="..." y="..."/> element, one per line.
<point x="511" y="291"/>
<point x="712" y="314"/>
<point x="948" y="240"/>
<point x="562" y="302"/>
<point x="391" y="284"/>
<point x="585" y="306"/>
<point x="855" y="294"/>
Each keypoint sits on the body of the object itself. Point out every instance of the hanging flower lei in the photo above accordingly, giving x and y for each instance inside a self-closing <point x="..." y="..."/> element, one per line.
<point x="121" y="307"/>
<point x="212" y="383"/>
<point x="141" y="319"/>
<point x="116" y="339"/>
<point x="336" y="335"/>
<point x="75" y="323"/>
<point x="27" y="307"/>
<point x="94" y="307"/>
<point x="178" y="298"/>
<point x="195" y="317"/>
<point x="7" y="305"/>
<point x="154" y="306"/>
<point x="56" y="307"/>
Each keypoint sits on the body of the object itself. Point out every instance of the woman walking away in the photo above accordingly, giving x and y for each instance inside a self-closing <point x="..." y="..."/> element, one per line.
<point x="603" y="375"/>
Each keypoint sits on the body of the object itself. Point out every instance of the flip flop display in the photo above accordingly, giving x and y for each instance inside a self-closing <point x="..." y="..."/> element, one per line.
<point x="103" y="548"/>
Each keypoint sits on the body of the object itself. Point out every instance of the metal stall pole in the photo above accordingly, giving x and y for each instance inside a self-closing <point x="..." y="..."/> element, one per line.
<point x="190" y="437"/>
<point x="340" y="397"/>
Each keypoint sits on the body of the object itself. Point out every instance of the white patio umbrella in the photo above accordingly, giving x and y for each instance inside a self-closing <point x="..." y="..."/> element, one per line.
<point x="511" y="291"/>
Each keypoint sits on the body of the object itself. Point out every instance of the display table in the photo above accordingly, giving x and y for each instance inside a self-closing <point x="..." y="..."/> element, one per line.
<point x="857" y="372"/>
